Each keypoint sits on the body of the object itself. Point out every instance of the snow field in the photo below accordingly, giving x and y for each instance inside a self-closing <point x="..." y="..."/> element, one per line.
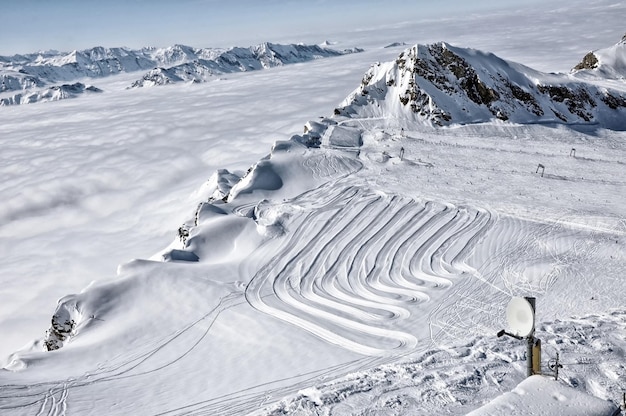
<point x="462" y="377"/>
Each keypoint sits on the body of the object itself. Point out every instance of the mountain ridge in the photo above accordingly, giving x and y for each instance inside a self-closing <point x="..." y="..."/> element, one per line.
<point x="262" y="56"/>
<point x="23" y="72"/>
<point x="443" y="84"/>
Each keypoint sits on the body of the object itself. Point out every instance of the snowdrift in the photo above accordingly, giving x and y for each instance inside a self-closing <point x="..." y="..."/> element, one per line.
<point x="540" y="395"/>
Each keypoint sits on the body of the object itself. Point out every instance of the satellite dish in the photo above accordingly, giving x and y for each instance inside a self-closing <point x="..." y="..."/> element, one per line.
<point x="521" y="317"/>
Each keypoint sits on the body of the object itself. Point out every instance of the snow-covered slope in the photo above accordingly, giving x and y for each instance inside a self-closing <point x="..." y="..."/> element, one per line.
<point x="15" y="81"/>
<point x="606" y="63"/>
<point x="540" y="395"/>
<point x="462" y="378"/>
<point x="174" y="63"/>
<point x="443" y="84"/>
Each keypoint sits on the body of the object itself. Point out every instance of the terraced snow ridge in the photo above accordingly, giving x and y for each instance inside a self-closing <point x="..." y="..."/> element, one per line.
<point x="349" y="281"/>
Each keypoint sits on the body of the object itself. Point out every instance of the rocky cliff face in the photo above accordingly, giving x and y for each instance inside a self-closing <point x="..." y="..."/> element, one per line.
<point x="442" y="84"/>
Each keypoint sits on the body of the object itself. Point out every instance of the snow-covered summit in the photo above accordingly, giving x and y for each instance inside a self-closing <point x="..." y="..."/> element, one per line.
<point x="88" y="63"/>
<point x="443" y="84"/>
<point x="213" y="62"/>
<point x="607" y="62"/>
<point x="54" y="93"/>
<point x="177" y="62"/>
<point x="174" y="55"/>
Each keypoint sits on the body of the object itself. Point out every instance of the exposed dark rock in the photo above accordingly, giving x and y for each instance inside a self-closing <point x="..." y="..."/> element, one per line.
<point x="614" y="102"/>
<point x="525" y="97"/>
<point x="590" y="61"/>
<point x="62" y="327"/>
<point x="577" y="101"/>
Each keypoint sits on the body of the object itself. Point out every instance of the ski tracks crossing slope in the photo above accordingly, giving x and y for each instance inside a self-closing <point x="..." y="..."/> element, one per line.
<point x="359" y="267"/>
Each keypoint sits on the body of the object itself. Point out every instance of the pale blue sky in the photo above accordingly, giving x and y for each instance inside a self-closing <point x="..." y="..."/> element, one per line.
<point x="34" y="25"/>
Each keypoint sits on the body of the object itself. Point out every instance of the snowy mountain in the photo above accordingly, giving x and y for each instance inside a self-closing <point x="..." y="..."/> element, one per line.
<point x="443" y="84"/>
<point x="265" y="55"/>
<point x="54" y="93"/>
<point x="606" y="63"/>
<point x="53" y="67"/>
<point x="174" y="63"/>
<point x="15" y="81"/>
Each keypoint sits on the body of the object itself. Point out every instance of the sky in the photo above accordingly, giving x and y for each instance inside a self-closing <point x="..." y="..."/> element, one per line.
<point x="64" y="25"/>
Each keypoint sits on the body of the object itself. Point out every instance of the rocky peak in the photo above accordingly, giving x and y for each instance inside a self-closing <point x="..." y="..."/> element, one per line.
<point x="590" y="61"/>
<point x="442" y="84"/>
<point x="604" y="63"/>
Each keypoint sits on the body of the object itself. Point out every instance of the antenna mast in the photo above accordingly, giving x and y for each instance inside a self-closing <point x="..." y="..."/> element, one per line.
<point x="520" y="314"/>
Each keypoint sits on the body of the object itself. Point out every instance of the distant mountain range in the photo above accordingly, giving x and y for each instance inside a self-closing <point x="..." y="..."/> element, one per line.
<point x="443" y="84"/>
<point x="212" y="62"/>
<point x="164" y="65"/>
<point x="438" y="83"/>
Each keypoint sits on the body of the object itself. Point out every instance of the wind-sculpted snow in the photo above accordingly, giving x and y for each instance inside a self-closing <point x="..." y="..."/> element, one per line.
<point x="349" y="281"/>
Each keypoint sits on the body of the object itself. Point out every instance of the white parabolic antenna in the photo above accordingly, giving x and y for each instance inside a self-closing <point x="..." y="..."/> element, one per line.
<point x="520" y="316"/>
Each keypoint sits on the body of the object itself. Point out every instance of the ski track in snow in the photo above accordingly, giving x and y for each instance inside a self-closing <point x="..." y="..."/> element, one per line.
<point x="348" y="281"/>
<point x="50" y="397"/>
<point x="452" y="380"/>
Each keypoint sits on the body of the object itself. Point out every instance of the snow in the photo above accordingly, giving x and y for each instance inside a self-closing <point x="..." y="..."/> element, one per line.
<point x="540" y="395"/>
<point x="333" y="279"/>
<point x="611" y="62"/>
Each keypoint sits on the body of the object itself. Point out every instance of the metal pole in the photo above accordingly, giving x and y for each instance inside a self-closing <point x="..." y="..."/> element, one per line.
<point x="531" y="342"/>
<point x="556" y="372"/>
<point x="529" y="356"/>
<point x="537" y="356"/>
